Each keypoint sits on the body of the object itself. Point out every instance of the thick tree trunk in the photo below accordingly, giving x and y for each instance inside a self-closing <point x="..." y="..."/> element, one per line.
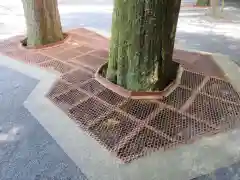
<point x="215" y="8"/>
<point x="203" y="2"/>
<point x="143" y="34"/>
<point x="43" y="22"/>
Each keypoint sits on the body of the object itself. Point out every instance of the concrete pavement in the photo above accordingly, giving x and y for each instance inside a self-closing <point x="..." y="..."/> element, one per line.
<point x="27" y="151"/>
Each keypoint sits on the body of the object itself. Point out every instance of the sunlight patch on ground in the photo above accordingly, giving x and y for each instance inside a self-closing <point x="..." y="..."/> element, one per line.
<point x="197" y="25"/>
<point x="10" y="135"/>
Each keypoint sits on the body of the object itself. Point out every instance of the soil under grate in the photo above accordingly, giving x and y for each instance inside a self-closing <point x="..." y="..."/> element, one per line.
<point x="133" y="128"/>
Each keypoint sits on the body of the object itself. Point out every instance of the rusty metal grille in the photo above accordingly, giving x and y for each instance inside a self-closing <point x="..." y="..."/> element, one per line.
<point x="178" y="97"/>
<point x="139" y="108"/>
<point x="92" y="87"/>
<point x="191" y="80"/>
<point x="111" y="97"/>
<point x="52" y="51"/>
<point x="83" y="49"/>
<point x="58" y="87"/>
<point x="221" y="89"/>
<point x="178" y="126"/>
<point x="80" y="38"/>
<point x="144" y="142"/>
<point x="132" y="128"/>
<point x="67" y="55"/>
<point x="77" y="77"/>
<point x="112" y="128"/>
<point x="66" y="100"/>
<point x="33" y="58"/>
<point x="214" y="111"/>
<point x="82" y="31"/>
<point x="89" y="61"/>
<point x="56" y="65"/>
<point x="88" y="111"/>
<point x="100" y="53"/>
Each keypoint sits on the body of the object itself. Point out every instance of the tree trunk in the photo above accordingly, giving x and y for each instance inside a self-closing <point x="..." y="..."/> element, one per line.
<point x="203" y="2"/>
<point x="42" y="21"/>
<point x="215" y="8"/>
<point x="143" y="34"/>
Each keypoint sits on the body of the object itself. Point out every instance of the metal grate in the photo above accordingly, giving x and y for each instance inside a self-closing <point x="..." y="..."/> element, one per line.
<point x="214" y="111"/>
<point x="83" y="49"/>
<point x="58" y="87"/>
<point x="100" y="53"/>
<point x="221" y="89"/>
<point x="92" y="87"/>
<point x="88" y="111"/>
<point x="91" y="62"/>
<point x="191" y="80"/>
<point x="57" y="66"/>
<point x="178" y="126"/>
<point x="111" y="97"/>
<point x="82" y="38"/>
<point x="144" y="142"/>
<point x="67" y="55"/>
<point x="33" y="58"/>
<point x="112" y="128"/>
<point x="77" y="77"/>
<point x="66" y="100"/>
<point x="178" y="97"/>
<point x="139" y="109"/>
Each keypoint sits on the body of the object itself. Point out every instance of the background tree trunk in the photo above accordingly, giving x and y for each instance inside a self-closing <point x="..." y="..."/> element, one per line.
<point x="143" y="34"/>
<point x="42" y="21"/>
<point x="215" y="8"/>
<point x="203" y="2"/>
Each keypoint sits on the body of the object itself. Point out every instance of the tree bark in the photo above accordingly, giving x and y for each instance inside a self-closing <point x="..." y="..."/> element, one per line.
<point x="203" y="2"/>
<point x="42" y="21"/>
<point x="215" y="8"/>
<point x="143" y="35"/>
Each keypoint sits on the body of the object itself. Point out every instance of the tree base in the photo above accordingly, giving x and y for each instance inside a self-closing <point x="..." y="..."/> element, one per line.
<point x="101" y="78"/>
<point x="25" y="45"/>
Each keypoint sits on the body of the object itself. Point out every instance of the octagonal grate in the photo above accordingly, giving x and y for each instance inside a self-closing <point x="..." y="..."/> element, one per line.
<point x="112" y="128"/>
<point x="66" y="100"/>
<point x="92" y="87"/>
<point x="83" y="49"/>
<point x="111" y="97"/>
<point x="100" y="53"/>
<point x="221" y="89"/>
<point x="214" y="111"/>
<point x="139" y="108"/>
<point x="33" y="58"/>
<point x="90" y="61"/>
<point x="144" y="142"/>
<point x="58" y="87"/>
<point x="77" y="77"/>
<point x="178" y="97"/>
<point x="178" y="126"/>
<point x="56" y="65"/>
<point x="191" y="80"/>
<point x="88" y="111"/>
<point x="67" y="55"/>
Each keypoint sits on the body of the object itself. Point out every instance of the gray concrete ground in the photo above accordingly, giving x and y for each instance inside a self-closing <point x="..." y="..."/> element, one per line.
<point x="27" y="151"/>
